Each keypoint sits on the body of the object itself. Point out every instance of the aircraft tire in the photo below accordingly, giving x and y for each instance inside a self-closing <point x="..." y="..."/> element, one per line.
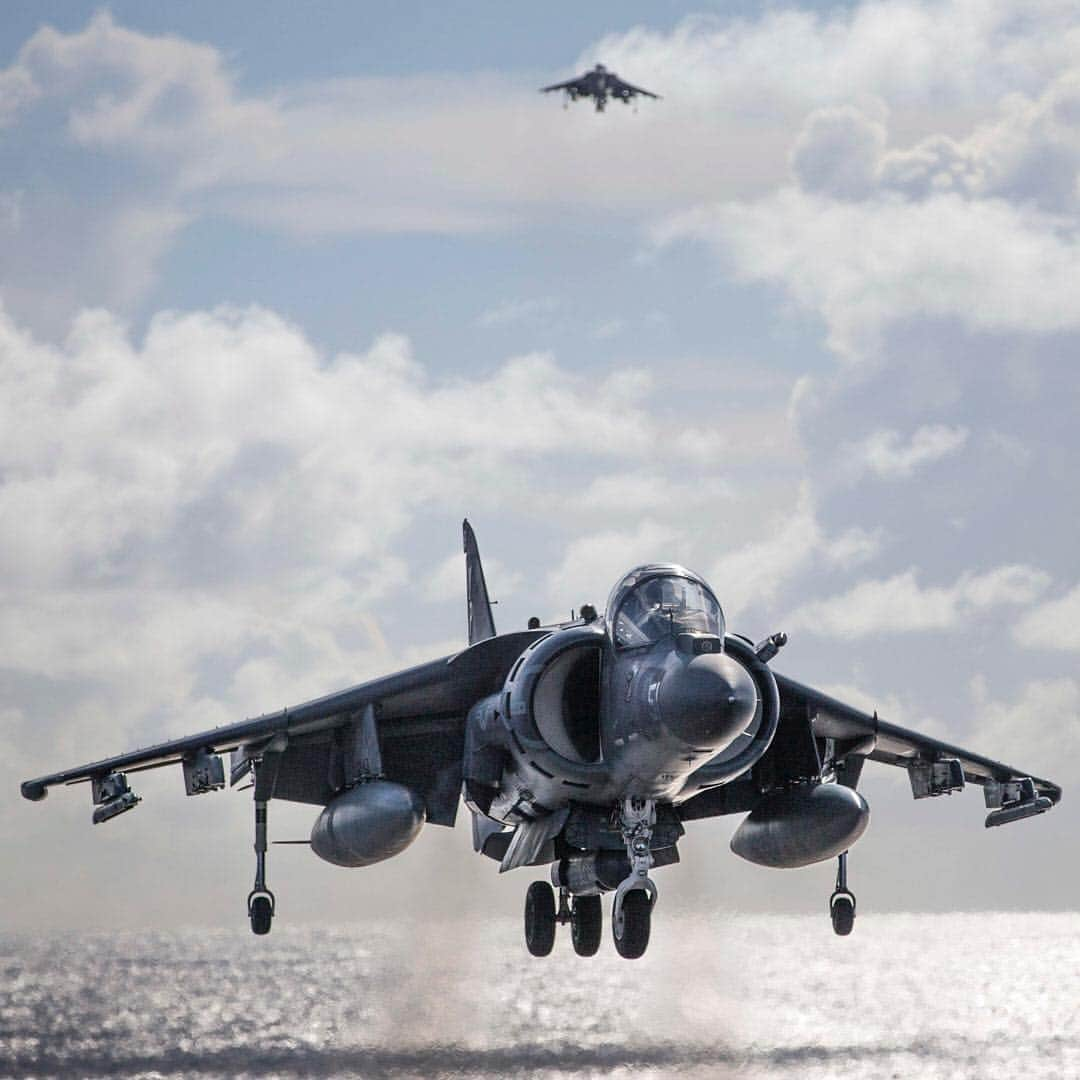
<point x="586" y="925"/>
<point x="842" y="912"/>
<point x="262" y="915"/>
<point x="636" y="919"/>
<point x="540" y="918"/>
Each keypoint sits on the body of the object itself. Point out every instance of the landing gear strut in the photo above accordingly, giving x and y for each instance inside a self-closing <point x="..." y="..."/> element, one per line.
<point x="260" y="902"/>
<point x="631" y="913"/>
<point x="842" y="901"/>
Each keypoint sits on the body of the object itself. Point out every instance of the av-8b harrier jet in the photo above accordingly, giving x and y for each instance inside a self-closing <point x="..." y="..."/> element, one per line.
<point x="599" y="84"/>
<point x="584" y="747"/>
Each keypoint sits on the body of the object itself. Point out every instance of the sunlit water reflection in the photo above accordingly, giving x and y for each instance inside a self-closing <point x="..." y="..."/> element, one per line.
<point x="905" y="995"/>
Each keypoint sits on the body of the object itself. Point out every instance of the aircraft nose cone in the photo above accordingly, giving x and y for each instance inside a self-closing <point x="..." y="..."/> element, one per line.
<point x="708" y="701"/>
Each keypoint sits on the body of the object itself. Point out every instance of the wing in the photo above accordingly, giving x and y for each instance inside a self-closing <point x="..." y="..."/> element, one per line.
<point x="845" y="736"/>
<point x="420" y="716"/>
<point x="625" y="89"/>
<point x="571" y="84"/>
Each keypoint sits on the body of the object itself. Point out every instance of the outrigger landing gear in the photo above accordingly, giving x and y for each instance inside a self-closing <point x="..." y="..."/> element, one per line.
<point x="842" y="901"/>
<point x="260" y="902"/>
<point x="631" y="913"/>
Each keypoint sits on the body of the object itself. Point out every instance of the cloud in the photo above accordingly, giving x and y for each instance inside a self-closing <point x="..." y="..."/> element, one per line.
<point x="514" y="312"/>
<point x="1043" y="721"/>
<point x="838" y="152"/>
<point x="607" y="329"/>
<point x="227" y="428"/>
<point x="447" y="581"/>
<point x="203" y="520"/>
<point x="627" y="492"/>
<point x="865" y="265"/>
<point x="948" y="55"/>
<point x="599" y="559"/>
<point x="900" y="604"/>
<point x="886" y="455"/>
<point x="1028" y="152"/>
<point x="1052" y="625"/>
<point x="162" y="123"/>
<point x="756" y="573"/>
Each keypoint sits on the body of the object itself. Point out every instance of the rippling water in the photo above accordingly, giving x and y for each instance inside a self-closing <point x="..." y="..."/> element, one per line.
<point x="905" y="995"/>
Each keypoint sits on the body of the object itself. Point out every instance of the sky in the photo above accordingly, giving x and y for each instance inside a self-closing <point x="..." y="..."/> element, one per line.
<point x="286" y="293"/>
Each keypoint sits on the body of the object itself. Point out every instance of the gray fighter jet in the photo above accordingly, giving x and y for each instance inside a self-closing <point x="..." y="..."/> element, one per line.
<point x="599" y="84"/>
<point x="584" y="747"/>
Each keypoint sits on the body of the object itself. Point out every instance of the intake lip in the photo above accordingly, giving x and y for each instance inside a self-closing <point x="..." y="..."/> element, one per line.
<point x="707" y="701"/>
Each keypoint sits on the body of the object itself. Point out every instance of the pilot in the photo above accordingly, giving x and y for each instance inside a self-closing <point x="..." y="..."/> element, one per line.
<point x="659" y="601"/>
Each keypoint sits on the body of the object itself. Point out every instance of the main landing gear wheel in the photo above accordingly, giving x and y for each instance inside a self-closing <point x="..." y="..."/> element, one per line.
<point x="631" y="929"/>
<point x="261" y="912"/>
<point x="842" y="912"/>
<point x="540" y="918"/>
<point x="586" y="925"/>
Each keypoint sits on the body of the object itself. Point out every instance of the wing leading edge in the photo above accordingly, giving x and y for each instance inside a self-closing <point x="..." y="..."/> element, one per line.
<point x="425" y="699"/>
<point x="853" y="732"/>
<point x="622" y="86"/>
<point x="570" y="84"/>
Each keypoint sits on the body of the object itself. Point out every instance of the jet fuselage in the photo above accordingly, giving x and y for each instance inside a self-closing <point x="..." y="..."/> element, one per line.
<point x="635" y="705"/>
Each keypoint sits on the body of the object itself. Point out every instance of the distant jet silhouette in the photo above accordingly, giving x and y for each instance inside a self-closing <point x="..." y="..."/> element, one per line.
<point x="599" y="84"/>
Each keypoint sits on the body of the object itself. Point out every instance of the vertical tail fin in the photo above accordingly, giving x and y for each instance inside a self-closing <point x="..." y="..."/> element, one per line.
<point x="481" y="623"/>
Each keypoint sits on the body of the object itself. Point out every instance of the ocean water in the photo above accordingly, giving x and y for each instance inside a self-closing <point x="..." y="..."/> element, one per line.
<point x="961" y="995"/>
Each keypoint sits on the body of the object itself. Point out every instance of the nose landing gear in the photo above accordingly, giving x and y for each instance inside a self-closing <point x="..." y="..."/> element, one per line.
<point x="842" y="901"/>
<point x="635" y="896"/>
<point x="631" y="926"/>
<point x="631" y="913"/>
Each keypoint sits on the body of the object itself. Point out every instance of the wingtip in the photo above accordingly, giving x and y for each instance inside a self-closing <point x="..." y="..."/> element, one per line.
<point x="33" y="790"/>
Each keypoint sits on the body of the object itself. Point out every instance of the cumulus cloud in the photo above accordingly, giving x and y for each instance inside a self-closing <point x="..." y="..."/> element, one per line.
<point x="1044" y="719"/>
<point x="838" y="153"/>
<point x="1029" y="151"/>
<point x="887" y="455"/>
<point x="166" y="124"/>
<point x="210" y="514"/>
<point x="900" y="604"/>
<point x="939" y="264"/>
<point x="447" y="580"/>
<point x="597" y="560"/>
<point x="517" y="311"/>
<point x="863" y="266"/>
<point x="1052" y="625"/>
<point x="948" y="55"/>
<point x="757" y="572"/>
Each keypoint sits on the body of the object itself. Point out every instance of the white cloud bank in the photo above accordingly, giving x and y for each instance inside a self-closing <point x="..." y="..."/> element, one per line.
<point x="169" y="130"/>
<point x="929" y="225"/>
<point x="1044" y="719"/>
<point x="757" y="572"/>
<point x="1052" y="625"/>
<point x="201" y="522"/>
<point x="863" y="266"/>
<point x="901" y="605"/>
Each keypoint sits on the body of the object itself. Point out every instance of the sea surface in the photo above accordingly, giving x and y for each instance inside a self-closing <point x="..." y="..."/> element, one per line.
<point x="743" y="996"/>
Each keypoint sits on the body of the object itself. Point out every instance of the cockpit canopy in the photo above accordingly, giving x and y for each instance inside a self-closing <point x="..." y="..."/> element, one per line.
<point x="654" y="601"/>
